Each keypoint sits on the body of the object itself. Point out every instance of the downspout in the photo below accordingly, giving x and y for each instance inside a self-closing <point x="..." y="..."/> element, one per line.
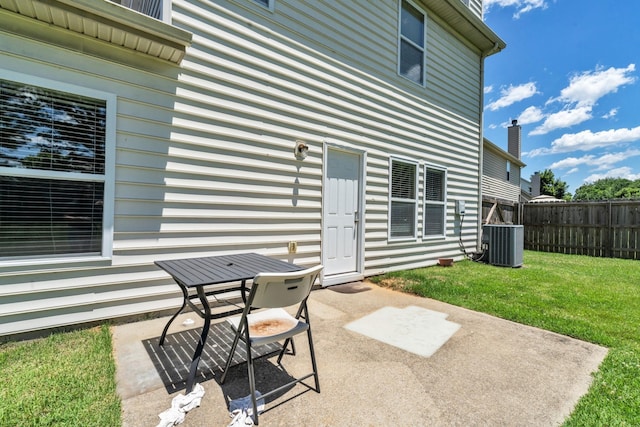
<point x="483" y="56"/>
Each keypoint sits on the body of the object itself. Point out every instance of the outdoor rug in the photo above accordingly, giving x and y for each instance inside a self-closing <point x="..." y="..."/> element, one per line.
<point x="173" y="359"/>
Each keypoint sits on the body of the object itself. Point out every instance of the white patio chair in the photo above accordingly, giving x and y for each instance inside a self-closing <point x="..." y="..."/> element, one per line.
<point x="274" y="291"/>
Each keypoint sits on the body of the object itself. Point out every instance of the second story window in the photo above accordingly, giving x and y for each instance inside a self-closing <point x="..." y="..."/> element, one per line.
<point x="412" y="43"/>
<point x="266" y="3"/>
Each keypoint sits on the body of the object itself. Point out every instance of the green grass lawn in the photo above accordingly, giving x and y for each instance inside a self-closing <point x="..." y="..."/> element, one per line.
<point x="593" y="299"/>
<point x="66" y="379"/>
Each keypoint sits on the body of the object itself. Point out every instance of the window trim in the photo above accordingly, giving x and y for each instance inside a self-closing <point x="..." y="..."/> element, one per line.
<point x="416" y="199"/>
<point x="109" y="168"/>
<point x="423" y="49"/>
<point x="442" y="203"/>
<point x="166" y="12"/>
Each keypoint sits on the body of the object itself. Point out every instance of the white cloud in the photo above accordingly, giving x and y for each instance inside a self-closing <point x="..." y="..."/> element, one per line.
<point x="622" y="172"/>
<point x="572" y="162"/>
<point x="488" y="89"/>
<point x="587" y="140"/>
<point x="587" y="88"/>
<point x="582" y="94"/>
<point x="603" y="162"/>
<point x="513" y="94"/>
<point x="530" y="115"/>
<point x="610" y="159"/>
<point x="563" y="119"/>
<point x="522" y="6"/>
<point x="537" y="152"/>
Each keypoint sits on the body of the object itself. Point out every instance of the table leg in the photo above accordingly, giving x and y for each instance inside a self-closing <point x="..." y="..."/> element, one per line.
<point x="203" y="338"/>
<point x="185" y="296"/>
<point x="243" y="291"/>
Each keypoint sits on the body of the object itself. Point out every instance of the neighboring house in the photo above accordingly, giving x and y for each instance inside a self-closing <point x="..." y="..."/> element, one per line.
<point x="501" y="178"/>
<point x="128" y="139"/>
<point x="525" y="190"/>
<point x="530" y="187"/>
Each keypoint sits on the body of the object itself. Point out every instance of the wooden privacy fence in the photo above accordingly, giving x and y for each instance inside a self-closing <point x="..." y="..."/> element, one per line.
<point x="602" y="229"/>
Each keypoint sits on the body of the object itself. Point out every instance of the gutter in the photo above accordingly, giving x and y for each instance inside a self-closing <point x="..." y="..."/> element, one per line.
<point x="495" y="49"/>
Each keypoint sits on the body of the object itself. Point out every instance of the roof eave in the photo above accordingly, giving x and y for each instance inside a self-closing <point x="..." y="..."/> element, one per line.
<point x="468" y="25"/>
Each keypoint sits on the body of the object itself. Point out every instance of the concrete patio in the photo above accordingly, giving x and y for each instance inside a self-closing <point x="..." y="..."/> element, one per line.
<point x="377" y="368"/>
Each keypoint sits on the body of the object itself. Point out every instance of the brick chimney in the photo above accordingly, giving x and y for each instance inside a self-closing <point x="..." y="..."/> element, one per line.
<point x="514" y="139"/>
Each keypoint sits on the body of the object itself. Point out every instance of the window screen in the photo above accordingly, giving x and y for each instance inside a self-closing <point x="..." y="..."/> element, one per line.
<point x="412" y="48"/>
<point x="52" y="172"/>
<point x="435" y="201"/>
<point x="402" y="208"/>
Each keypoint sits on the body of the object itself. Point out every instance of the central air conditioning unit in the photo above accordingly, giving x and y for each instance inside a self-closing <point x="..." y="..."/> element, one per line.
<point x="503" y="244"/>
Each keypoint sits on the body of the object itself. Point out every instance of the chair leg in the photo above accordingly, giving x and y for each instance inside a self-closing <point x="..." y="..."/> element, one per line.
<point x="252" y="383"/>
<point x="232" y="351"/>
<point x="313" y="360"/>
<point x="284" y="349"/>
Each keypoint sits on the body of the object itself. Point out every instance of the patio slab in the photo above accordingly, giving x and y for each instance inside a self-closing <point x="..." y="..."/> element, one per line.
<point x="484" y="370"/>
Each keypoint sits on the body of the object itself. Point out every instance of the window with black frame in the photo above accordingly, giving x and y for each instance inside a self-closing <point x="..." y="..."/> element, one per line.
<point x="52" y="172"/>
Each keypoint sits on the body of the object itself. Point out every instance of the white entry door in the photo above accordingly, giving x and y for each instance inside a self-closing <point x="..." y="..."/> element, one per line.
<point x="341" y="213"/>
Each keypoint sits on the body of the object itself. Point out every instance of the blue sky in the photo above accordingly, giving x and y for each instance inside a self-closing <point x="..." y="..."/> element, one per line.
<point x="570" y="76"/>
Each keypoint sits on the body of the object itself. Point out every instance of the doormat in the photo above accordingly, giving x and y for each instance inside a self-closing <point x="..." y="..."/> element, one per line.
<point x="414" y="329"/>
<point x="173" y="359"/>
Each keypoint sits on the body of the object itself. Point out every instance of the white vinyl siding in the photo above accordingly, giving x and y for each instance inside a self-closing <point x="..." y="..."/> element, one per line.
<point x="435" y="201"/>
<point x="475" y="6"/>
<point x="403" y="193"/>
<point x="204" y="151"/>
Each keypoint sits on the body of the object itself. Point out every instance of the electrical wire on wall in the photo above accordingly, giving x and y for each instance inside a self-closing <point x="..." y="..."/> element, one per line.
<point x="460" y="242"/>
<point x="474" y="256"/>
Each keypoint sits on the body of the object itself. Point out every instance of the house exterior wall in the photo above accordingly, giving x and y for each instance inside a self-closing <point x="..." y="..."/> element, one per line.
<point x="494" y="177"/>
<point x="203" y="150"/>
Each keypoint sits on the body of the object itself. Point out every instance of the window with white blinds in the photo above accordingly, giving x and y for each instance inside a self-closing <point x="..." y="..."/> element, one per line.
<point x="403" y="201"/>
<point x="52" y="172"/>
<point x="435" y="200"/>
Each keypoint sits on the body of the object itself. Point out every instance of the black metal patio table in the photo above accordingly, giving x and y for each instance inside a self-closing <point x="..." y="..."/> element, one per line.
<point x="198" y="273"/>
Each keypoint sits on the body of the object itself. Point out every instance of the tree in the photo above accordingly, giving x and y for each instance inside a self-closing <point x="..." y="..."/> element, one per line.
<point x="551" y="186"/>
<point x="608" y="189"/>
<point x="48" y="130"/>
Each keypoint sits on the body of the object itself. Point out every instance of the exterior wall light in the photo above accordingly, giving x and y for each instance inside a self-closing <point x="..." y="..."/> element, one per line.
<point x="300" y="150"/>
